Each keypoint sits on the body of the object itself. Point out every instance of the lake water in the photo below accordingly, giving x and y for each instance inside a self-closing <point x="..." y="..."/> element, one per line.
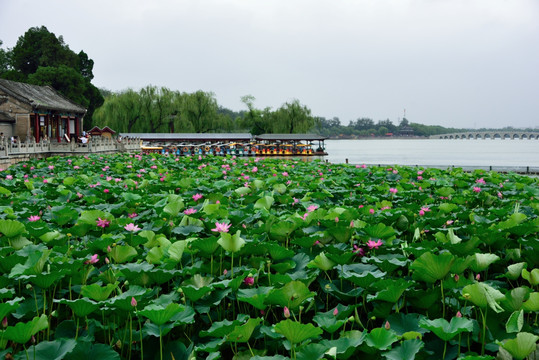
<point x="497" y="154"/>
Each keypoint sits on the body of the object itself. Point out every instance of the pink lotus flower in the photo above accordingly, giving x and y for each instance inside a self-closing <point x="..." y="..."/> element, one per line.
<point x="371" y="211"/>
<point x="480" y="181"/>
<point x="249" y="280"/>
<point x="459" y="314"/>
<point x="92" y="260"/>
<point x="477" y="189"/>
<point x="221" y="227"/>
<point x="393" y="190"/>
<point x="133" y="302"/>
<point x="132" y="215"/>
<point x="286" y="312"/>
<point x="33" y="218"/>
<point x="387" y="326"/>
<point x="4" y="322"/>
<point x="51" y="167"/>
<point x="102" y="223"/>
<point x="358" y="251"/>
<point x="335" y="312"/>
<point x="190" y="211"/>
<point x="312" y="208"/>
<point x="106" y="191"/>
<point x="9" y="177"/>
<point x="374" y="244"/>
<point x="197" y="197"/>
<point x="131" y="227"/>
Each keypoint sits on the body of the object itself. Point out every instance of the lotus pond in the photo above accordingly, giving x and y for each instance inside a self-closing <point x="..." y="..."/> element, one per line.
<point x="155" y="257"/>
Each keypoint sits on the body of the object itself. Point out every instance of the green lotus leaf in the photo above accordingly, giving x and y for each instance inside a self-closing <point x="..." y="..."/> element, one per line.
<point x="380" y="231"/>
<point x="20" y="242"/>
<point x="515" y="219"/>
<point x="36" y="257"/>
<point x="244" y="190"/>
<point x="282" y="229"/>
<point x="210" y="209"/>
<point x="123" y="301"/>
<point x="9" y="306"/>
<point x="22" y="332"/>
<point x="514" y="299"/>
<point x="88" y="351"/>
<point x="362" y="275"/>
<point x="483" y="295"/>
<point x="321" y="262"/>
<point x="292" y="295"/>
<point x="52" y="350"/>
<point x="532" y="304"/>
<point x="155" y="330"/>
<point x="341" y="233"/>
<point x="389" y="290"/>
<point x="447" y="330"/>
<point x="231" y="243"/>
<point x="430" y="268"/>
<point x="159" y="315"/>
<point x="207" y="245"/>
<point x="45" y="280"/>
<point x="346" y="345"/>
<point x="123" y="253"/>
<point x="296" y="332"/>
<point x="11" y="228"/>
<point x="242" y="333"/>
<point x="81" y="307"/>
<point x="194" y="293"/>
<point x="380" y="338"/>
<point x="4" y="191"/>
<point x="447" y="207"/>
<point x="278" y="252"/>
<point x="515" y="322"/>
<point x="522" y="346"/>
<point x="407" y="350"/>
<point x="220" y="328"/>
<point x="406" y="323"/>
<point x="334" y="319"/>
<point x="62" y="215"/>
<point x="481" y="262"/>
<point x="174" y="206"/>
<point x="255" y="297"/>
<point x="90" y="217"/>
<point x="264" y="203"/>
<point x="175" y="251"/>
<point x="531" y="276"/>
<point x="515" y="270"/>
<point x="98" y="292"/>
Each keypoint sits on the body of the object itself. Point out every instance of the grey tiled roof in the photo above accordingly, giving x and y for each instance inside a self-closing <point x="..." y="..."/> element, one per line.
<point x="40" y="97"/>
<point x="6" y="117"/>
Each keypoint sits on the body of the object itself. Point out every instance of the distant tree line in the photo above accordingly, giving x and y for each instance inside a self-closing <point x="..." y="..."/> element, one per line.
<point x="41" y="58"/>
<point x="154" y="109"/>
<point x="366" y="127"/>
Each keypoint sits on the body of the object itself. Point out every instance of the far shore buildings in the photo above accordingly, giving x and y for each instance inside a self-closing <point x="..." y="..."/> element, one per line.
<point x="32" y="112"/>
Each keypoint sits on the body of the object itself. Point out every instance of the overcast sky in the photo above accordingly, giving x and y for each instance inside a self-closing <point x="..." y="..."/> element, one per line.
<point x="455" y="63"/>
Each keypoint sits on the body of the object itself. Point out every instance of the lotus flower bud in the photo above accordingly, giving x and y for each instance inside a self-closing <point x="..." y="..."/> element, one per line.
<point x="286" y="312"/>
<point x="459" y="314"/>
<point x="133" y="302"/>
<point x="4" y="322"/>
<point x="387" y="326"/>
<point x="335" y="312"/>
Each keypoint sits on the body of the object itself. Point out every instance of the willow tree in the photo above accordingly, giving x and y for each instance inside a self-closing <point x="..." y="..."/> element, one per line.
<point x="200" y="110"/>
<point x="292" y="117"/>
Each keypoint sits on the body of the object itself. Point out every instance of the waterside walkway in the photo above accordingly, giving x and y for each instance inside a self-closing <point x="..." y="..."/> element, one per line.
<point x="13" y="153"/>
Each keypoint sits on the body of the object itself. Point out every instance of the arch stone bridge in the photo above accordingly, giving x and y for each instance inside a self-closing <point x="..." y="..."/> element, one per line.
<point x="506" y="134"/>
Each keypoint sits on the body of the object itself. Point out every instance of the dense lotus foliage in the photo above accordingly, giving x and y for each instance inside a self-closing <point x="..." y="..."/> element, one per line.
<point x="156" y="257"/>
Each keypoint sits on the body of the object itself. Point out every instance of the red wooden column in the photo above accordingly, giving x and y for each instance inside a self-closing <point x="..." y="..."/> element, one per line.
<point x="36" y="127"/>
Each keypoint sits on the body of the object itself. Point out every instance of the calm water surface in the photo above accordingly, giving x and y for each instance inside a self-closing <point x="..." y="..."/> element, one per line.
<point x="509" y="154"/>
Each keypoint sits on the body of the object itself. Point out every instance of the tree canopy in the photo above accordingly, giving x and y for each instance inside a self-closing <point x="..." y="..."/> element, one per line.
<point x="42" y="58"/>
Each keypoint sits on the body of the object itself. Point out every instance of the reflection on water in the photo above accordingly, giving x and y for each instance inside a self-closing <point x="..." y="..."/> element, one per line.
<point x="436" y="153"/>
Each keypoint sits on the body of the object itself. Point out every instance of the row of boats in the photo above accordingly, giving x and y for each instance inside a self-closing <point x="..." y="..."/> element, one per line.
<point x="237" y="149"/>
